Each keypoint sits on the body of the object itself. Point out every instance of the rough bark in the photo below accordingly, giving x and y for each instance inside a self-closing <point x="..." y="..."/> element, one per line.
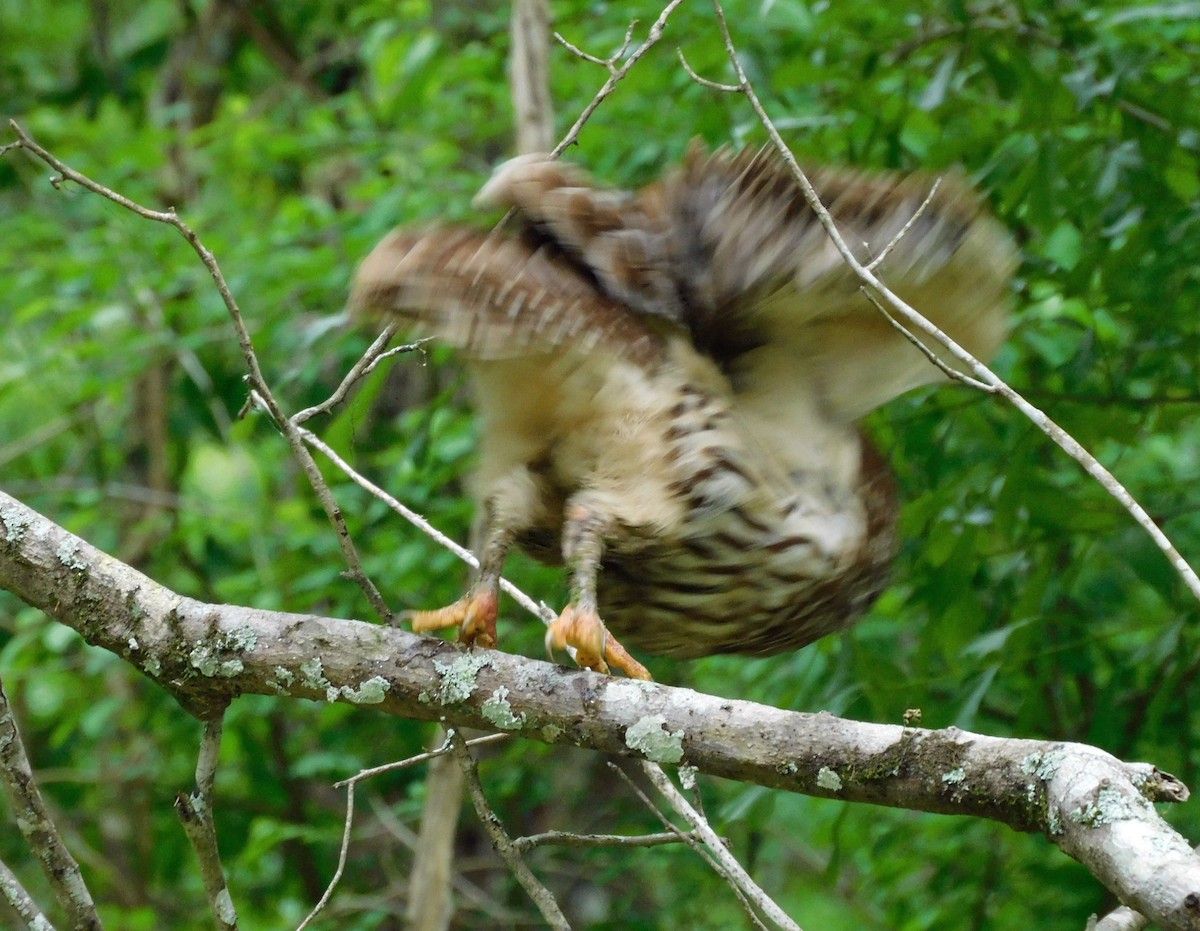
<point x="1095" y="807"/>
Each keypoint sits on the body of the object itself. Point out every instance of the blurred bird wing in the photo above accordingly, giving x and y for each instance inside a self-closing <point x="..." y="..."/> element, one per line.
<point x="727" y="246"/>
<point x="771" y="269"/>
<point x="494" y="297"/>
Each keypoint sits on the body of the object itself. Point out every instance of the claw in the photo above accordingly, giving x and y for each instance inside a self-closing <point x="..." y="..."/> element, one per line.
<point x="595" y="647"/>
<point x="474" y="615"/>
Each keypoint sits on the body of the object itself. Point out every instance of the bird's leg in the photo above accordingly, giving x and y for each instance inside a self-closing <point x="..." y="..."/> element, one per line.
<point x="474" y="614"/>
<point x="579" y="625"/>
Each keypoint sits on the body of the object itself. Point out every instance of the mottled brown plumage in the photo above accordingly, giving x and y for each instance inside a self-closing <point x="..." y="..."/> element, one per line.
<point x="668" y="383"/>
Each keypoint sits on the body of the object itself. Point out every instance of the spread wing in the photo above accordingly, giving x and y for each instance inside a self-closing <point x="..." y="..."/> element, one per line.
<point x="496" y="297"/>
<point x="726" y="246"/>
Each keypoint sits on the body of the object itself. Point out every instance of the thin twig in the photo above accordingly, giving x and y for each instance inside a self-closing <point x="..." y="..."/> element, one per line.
<point x="540" y="895"/>
<point x="540" y="611"/>
<point x="256" y="378"/>
<point x="419" y="758"/>
<point x="695" y="843"/>
<point x="374" y="355"/>
<point x="878" y="260"/>
<point x="566" y="839"/>
<point x="933" y="357"/>
<point x="615" y="77"/>
<point x="195" y="812"/>
<point x="1064" y="440"/>
<point x="730" y="867"/>
<point x="705" y="82"/>
<point x="36" y="825"/>
<point x="20" y="901"/>
<point x="341" y="864"/>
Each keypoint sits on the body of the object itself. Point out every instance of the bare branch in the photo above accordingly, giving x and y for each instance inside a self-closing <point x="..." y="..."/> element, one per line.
<point x="257" y="380"/>
<point x="20" y="901"/>
<point x="36" y="825"/>
<point x="376" y="353"/>
<point x="447" y="747"/>
<point x="655" y="34"/>
<point x="1094" y="807"/>
<point x="730" y="867"/>
<point x="341" y="864"/>
<point x="529" y="68"/>
<point x="1064" y="440"/>
<point x="538" y="610"/>
<point x="196" y="814"/>
<point x="540" y="895"/>
<point x="566" y="839"/>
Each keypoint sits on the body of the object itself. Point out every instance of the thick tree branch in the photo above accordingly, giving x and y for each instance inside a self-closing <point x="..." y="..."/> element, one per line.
<point x="1095" y="807"/>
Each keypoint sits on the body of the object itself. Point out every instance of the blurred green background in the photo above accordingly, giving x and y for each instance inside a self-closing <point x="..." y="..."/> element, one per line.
<point x="291" y="136"/>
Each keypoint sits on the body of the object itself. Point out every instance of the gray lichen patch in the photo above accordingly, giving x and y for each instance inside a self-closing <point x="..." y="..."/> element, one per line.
<point x="1043" y="766"/>
<point x="499" y="712"/>
<point x="207" y="660"/>
<point x="211" y="657"/>
<point x="1112" y="805"/>
<point x="14" y="523"/>
<point x="650" y="737"/>
<point x="68" y="555"/>
<point x="312" y="674"/>
<point x="458" y="680"/>
<point x="370" y="692"/>
<point x="828" y="779"/>
<point x="956" y="777"/>
<point x="243" y="639"/>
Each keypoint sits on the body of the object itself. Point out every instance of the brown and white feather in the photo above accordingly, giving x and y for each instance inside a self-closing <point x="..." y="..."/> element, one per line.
<point x="686" y="365"/>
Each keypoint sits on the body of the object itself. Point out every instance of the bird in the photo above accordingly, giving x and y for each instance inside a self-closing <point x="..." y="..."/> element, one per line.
<point x="670" y="381"/>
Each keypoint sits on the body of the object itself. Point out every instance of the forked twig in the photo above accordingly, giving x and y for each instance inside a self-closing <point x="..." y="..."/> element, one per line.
<point x="533" y="887"/>
<point x="615" y="76"/>
<point x="730" y="867"/>
<point x="376" y="353"/>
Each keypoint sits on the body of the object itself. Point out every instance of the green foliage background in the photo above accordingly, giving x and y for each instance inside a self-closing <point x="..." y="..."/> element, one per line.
<point x="291" y="136"/>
